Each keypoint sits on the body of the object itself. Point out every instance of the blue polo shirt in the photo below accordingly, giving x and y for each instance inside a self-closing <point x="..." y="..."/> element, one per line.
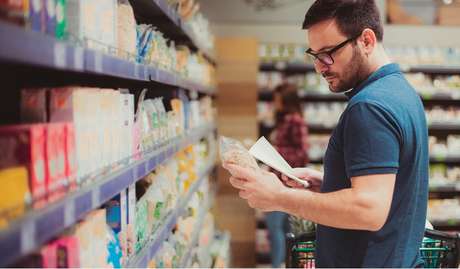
<point x="382" y="131"/>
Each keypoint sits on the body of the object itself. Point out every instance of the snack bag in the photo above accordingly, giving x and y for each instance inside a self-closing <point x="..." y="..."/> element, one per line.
<point x="232" y="151"/>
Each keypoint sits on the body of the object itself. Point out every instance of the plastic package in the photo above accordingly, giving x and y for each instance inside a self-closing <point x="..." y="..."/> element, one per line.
<point x="232" y="151"/>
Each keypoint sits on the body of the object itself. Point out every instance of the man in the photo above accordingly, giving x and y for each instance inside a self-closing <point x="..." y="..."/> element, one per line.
<point x="371" y="206"/>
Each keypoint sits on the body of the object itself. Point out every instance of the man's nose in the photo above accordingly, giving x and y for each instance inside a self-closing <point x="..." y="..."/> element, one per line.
<point x="320" y="67"/>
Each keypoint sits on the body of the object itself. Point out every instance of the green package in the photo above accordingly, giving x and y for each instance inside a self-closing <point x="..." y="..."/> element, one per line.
<point x="61" y="19"/>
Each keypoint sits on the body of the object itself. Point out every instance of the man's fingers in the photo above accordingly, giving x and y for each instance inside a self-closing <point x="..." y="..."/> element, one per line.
<point x="238" y="183"/>
<point x="244" y="194"/>
<point x="241" y="172"/>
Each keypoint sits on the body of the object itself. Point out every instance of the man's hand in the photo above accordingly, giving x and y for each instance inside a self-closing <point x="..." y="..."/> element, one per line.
<point x="314" y="178"/>
<point x="260" y="188"/>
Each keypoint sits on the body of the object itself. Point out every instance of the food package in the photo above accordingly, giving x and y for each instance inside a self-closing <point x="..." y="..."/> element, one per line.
<point x="232" y="151"/>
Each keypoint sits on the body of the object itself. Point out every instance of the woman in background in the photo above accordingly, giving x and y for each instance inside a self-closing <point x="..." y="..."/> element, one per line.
<point x="290" y="140"/>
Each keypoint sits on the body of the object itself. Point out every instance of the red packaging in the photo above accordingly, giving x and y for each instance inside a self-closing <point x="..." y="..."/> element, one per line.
<point x="61" y="105"/>
<point x="68" y="252"/>
<point x="33" y="106"/>
<point x="49" y="255"/>
<point x="70" y="162"/>
<point x="24" y="145"/>
<point x="55" y="160"/>
<point x="16" y="11"/>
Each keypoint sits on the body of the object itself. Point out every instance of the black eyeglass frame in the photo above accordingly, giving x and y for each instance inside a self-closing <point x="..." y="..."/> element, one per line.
<point x="331" y="51"/>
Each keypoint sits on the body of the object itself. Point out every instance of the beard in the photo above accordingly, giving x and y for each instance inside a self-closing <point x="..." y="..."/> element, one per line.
<point x="355" y="73"/>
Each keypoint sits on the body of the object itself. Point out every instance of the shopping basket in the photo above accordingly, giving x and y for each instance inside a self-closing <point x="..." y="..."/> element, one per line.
<point x="438" y="250"/>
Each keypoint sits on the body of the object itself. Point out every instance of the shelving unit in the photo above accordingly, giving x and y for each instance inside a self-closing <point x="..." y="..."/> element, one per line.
<point x="169" y="23"/>
<point x="162" y="233"/>
<point x="31" y="59"/>
<point x="39" y="226"/>
<point x="78" y="63"/>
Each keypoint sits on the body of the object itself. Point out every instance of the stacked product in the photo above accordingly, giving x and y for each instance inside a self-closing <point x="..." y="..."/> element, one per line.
<point x="443" y="115"/>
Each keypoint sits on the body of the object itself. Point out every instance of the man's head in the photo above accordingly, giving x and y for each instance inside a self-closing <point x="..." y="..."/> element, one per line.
<point x="343" y="36"/>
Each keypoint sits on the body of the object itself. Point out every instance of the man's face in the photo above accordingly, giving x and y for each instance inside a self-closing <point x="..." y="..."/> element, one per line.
<point x="347" y="70"/>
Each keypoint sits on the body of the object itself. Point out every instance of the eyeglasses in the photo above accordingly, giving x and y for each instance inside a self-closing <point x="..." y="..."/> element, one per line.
<point x="326" y="56"/>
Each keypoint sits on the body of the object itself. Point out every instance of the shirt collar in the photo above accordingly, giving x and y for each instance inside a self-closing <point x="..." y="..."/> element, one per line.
<point x="380" y="73"/>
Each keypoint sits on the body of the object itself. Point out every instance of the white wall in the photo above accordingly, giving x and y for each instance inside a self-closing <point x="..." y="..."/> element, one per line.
<point x="236" y="18"/>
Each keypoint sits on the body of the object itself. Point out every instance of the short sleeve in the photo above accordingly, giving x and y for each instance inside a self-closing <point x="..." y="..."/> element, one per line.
<point x="371" y="141"/>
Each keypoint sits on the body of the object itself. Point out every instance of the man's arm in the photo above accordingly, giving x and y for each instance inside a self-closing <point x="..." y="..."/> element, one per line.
<point x="364" y="206"/>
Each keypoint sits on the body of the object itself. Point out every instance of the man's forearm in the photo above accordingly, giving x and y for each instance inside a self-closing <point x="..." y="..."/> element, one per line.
<point x="345" y="209"/>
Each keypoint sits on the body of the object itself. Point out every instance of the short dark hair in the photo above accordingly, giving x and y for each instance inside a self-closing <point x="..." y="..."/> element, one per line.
<point x="351" y="16"/>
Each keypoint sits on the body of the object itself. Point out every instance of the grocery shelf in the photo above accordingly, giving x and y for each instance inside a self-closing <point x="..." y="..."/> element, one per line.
<point x="288" y="68"/>
<point x="186" y="259"/>
<point x="434" y="69"/>
<point x="299" y="68"/>
<point x="451" y="224"/>
<point x="316" y="161"/>
<point x="443" y="129"/>
<point x="434" y="99"/>
<point x="162" y="233"/>
<point x="27" y="48"/>
<point x="445" y="160"/>
<point x="444" y="191"/>
<point x="320" y="129"/>
<point x="172" y="25"/>
<point x="39" y="226"/>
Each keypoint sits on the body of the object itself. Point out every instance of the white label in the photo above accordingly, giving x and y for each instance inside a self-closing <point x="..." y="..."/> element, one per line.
<point x="36" y="5"/>
<point x="51" y="8"/>
<point x="60" y="55"/>
<point x="59" y="12"/>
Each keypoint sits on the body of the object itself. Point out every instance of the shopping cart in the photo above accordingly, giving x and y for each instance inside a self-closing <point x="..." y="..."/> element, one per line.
<point x="439" y="250"/>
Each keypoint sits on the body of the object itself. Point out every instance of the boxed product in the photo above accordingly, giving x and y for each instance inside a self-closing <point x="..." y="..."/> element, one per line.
<point x="55" y="160"/>
<point x="67" y="250"/>
<point x="50" y="17"/>
<point x="70" y="162"/>
<point x="24" y="145"/>
<point x="61" y="19"/>
<point x="37" y="15"/>
<point x="15" y="194"/>
<point x="93" y="22"/>
<point x="33" y="106"/>
<point x="16" y="11"/>
<point x="49" y="256"/>
<point x="91" y="234"/>
<point x="127" y="35"/>
<point x="131" y="219"/>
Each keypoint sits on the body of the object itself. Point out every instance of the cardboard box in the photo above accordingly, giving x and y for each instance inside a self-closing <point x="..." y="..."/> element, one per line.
<point x="49" y="255"/>
<point x="34" y="106"/>
<point x="14" y="194"/>
<point x="16" y="11"/>
<point x="67" y="250"/>
<point x="55" y="160"/>
<point x="24" y="145"/>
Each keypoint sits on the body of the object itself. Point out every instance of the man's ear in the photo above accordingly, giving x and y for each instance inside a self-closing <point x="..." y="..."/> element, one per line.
<point x="368" y="41"/>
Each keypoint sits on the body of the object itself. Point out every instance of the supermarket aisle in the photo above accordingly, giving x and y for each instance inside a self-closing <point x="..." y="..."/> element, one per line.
<point x="109" y="136"/>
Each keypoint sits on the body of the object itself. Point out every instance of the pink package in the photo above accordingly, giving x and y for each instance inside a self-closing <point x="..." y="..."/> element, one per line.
<point x="70" y="162"/>
<point x="68" y="252"/>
